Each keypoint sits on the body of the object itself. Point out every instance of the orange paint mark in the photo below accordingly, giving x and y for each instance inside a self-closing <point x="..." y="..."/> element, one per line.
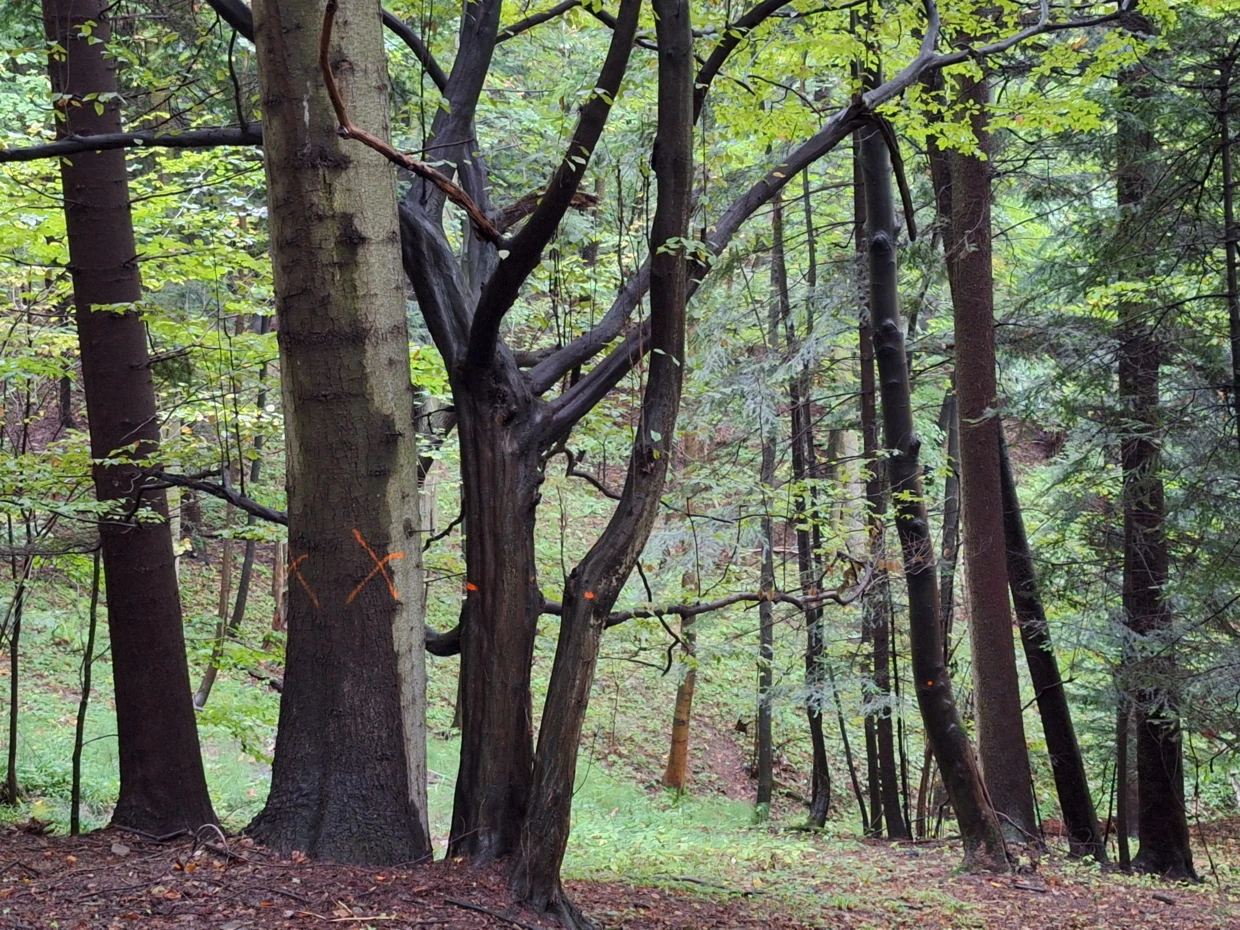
<point x="379" y="569"/>
<point x="589" y="595"/>
<point x="470" y="586"/>
<point x="292" y="567"/>
<point x="929" y="684"/>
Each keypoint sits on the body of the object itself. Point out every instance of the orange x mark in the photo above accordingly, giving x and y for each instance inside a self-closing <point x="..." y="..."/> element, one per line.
<point x="292" y="567"/>
<point x="379" y="569"/>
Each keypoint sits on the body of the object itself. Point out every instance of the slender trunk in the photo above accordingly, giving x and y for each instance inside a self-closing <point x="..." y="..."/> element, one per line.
<point x="595" y="584"/>
<point x="12" y="789"/>
<point x="766" y="637"/>
<point x="79" y="730"/>
<point x="848" y="755"/>
<point x="221" y="624"/>
<point x="1067" y="765"/>
<point x="349" y="777"/>
<point x="678" y="758"/>
<point x="949" y="422"/>
<point x="979" y="826"/>
<point x="1123" y="812"/>
<point x="1231" y="231"/>
<point x="874" y="603"/>
<point x="996" y="685"/>
<point x="1165" y="848"/>
<point x="162" y="785"/>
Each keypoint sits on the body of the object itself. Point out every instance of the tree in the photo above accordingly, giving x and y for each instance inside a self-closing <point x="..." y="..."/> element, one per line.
<point x="1165" y="847"/>
<point x="1000" y="723"/>
<point x="1067" y="766"/>
<point x="349" y="776"/>
<point x="979" y="826"/>
<point x="162" y="786"/>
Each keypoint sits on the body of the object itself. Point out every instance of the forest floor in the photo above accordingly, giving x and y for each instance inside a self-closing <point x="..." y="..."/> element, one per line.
<point x="111" y="879"/>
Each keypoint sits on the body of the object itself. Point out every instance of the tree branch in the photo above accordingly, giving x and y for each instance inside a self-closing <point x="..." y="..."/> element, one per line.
<point x="733" y="34"/>
<point x="535" y="19"/>
<point x="483" y="227"/>
<point x="518" y="210"/>
<point x="405" y="33"/>
<point x="224" y="490"/>
<point x="567" y="409"/>
<point x="526" y="247"/>
<point x="190" y="139"/>
<point x="431" y="268"/>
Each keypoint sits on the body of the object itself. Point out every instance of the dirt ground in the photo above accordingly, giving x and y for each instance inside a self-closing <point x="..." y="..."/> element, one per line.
<point x="112" y="879"/>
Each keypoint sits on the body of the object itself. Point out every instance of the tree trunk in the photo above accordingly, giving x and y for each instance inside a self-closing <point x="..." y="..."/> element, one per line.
<point x="501" y="472"/>
<point x="1231" y="229"/>
<point x="1068" y="767"/>
<point x="1165" y="848"/>
<point x="678" y="758"/>
<point x="979" y="826"/>
<point x="809" y="532"/>
<point x="766" y="636"/>
<point x="1123" y="810"/>
<point x="221" y="626"/>
<point x="162" y="786"/>
<point x="1000" y="722"/>
<point x="349" y="778"/>
<point x="596" y="582"/>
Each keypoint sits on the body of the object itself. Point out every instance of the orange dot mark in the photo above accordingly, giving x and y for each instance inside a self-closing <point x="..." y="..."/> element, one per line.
<point x="292" y="567"/>
<point x="929" y="684"/>
<point x="379" y="569"/>
<point x="470" y="586"/>
<point x="589" y="595"/>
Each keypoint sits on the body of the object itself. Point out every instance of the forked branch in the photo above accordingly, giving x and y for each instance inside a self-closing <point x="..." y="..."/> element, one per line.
<point x="483" y="227"/>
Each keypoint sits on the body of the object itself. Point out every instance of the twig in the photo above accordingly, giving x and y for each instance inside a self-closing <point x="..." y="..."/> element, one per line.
<point x="484" y="228"/>
<point x="479" y="909"/>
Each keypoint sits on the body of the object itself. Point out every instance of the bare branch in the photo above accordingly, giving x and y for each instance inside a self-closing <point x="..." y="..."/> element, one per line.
<point x="535" y="19"/>
<point x="518" y="210"/>
<point x="526" y="247"/>
<point x="483" y="227"/>
<point x="224" y="490"/>
<point x="190" y="139"/>
<point x="405" y="33"/>
<point x="582" y="397"/>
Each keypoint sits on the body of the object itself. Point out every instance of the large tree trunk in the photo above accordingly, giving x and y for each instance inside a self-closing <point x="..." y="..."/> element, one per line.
<point x="163" y="788"/>
<point x="596" y="582"/>
<point x="1231" y="229"/>
<point x="1068" y="767"/>
<point x="348" y="781"/>
<point x="979" y="826"/>
<point x="501" y="472"/>
<point x="1165" y="848"/>
<point x="1000" y="722"/>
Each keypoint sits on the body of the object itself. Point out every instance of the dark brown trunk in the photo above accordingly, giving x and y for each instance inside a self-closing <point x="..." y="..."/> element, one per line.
<point x="501" y="476"/>
<point x="875" y="600"/>
<point x="1000" y="722"/>
<point x="766" y="637"/>
<point x="348" y="780"/>
<point x="79" y="730"/>
<point x="949" y="422"/>
<point x="1231" y="230"/>
<point x="808" y="534"/>
<point x="1123" y="809"/>
<point x="596" y="582"/>
<point x="1076" y="802"/>
<point x="162" y="786"/>
<point x="979" y="826"/>
<point x="1163" y="823"/>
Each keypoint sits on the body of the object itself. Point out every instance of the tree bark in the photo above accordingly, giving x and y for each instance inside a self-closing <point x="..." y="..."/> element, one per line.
<point x="1231" y="229"/>
<point x="163" y="788"/>
<point x="1000" y="722"/>
<point x="1165" y="847"/>
<point x="979" y="826"/>
<point x="674" y="775"/>
<point x="596" y="582"/>
<point x="1076" y="802"/>
<point x="348" y="781"/>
